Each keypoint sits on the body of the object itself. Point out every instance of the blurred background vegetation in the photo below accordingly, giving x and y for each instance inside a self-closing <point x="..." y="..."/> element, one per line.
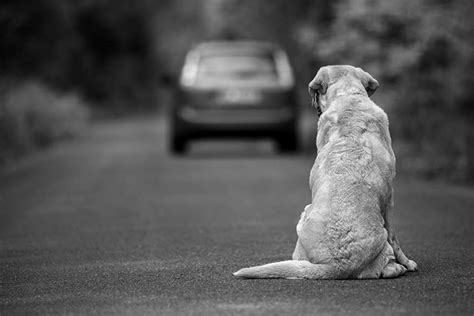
<point x="62" y="60"/>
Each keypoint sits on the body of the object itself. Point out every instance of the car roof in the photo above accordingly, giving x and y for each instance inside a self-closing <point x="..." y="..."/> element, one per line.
<point x="217" y="47"/>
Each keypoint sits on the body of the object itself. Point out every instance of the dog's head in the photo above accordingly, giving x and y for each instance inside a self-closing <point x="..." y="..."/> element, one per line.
<point x="335" y="79"/>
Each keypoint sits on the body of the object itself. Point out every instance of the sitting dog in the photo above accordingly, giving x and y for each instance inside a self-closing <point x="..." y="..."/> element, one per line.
<point x="347" y="230"/>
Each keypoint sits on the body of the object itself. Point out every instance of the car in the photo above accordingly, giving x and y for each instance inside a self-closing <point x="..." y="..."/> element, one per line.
<point x="235" y="89"/>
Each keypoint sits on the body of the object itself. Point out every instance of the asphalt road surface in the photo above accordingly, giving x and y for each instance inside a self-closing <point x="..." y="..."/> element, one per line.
<point x="112" y="224"/>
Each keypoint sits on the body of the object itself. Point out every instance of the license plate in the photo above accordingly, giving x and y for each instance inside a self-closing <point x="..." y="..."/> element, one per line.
<point x="240" y="96"/>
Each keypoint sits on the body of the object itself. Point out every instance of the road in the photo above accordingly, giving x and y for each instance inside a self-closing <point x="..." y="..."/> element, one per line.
<point x="111" y="224"/>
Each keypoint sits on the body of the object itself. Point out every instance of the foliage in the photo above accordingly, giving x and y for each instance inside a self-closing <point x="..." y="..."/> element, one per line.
<point x="32" y="115"/>
<point x="102" y="49"/>
<point x="419" y="51"/>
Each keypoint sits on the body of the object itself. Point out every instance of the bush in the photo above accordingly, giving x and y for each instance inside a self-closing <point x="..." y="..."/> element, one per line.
<point x="32" y="115"/>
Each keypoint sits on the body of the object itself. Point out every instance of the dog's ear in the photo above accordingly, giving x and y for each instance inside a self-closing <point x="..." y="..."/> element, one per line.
<point x="318" y="86"/>
<point x="369" y="82"/>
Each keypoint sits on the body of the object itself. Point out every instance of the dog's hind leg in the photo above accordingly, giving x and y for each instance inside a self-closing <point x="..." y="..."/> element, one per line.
<point x="393" y="270"/>
<point x="300" y="252"/>
<point x="383" y="266"/>
<point x="374" y="269"/>
<point x="393" y="241"/>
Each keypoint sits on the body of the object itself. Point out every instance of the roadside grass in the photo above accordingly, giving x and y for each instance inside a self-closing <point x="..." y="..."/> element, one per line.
<point x="33" y="115"/>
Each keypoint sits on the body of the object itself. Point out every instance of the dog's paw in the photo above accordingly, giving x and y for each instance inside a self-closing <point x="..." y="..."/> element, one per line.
<point x="411" y="265"/>
<point x="393" y="270"/>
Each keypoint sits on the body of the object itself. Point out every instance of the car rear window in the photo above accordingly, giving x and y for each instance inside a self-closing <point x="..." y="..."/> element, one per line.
<point x="225" y="68"/>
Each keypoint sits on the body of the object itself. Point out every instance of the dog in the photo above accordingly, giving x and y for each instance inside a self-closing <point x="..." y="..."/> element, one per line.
<point x="347" y="231"/>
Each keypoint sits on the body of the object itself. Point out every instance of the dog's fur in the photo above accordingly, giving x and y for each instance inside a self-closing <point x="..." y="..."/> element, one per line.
<point x="346" y="231"/>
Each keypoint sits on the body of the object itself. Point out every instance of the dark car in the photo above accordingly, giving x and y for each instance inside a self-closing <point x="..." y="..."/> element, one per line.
<point x="235" y="89"/>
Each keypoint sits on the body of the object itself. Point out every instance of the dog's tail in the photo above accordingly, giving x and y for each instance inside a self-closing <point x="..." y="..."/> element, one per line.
<point x="290" y="269"/>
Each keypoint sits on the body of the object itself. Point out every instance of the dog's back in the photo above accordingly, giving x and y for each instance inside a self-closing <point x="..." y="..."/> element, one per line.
<point x="354" y="144"/>
<point x="351" y="180"/>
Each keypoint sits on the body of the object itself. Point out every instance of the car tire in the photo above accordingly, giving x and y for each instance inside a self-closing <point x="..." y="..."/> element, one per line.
<point x="177" y="141"/>
<point x="178" y="145"/>
<point x="288" y="143"/>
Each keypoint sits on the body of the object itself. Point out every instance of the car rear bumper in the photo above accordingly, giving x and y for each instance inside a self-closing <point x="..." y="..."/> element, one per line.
<point x="238" y="118"/>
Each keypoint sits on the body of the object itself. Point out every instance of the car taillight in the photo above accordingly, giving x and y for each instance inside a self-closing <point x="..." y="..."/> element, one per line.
<point x="239" y="96"/>
<point x="195" y="97"/>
